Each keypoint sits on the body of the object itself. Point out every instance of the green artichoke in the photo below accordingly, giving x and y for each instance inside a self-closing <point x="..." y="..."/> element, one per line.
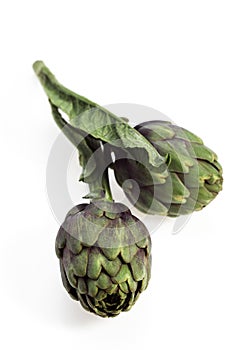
<point x="191" y="179"/>
<point x="105" y="257"/>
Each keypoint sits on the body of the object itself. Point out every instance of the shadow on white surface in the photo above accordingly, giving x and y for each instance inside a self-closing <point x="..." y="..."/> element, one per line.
<point x="71" y="314"/>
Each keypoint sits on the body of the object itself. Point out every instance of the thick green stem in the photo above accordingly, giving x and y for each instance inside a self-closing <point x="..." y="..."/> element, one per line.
<point x="78" y="138"/>
<point x="99" y="183"/>
<point x="106" y="186"/>
<point x="89" y="148"/>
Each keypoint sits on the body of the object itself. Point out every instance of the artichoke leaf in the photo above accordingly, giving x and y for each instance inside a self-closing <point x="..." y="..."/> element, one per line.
<point x="92" y="118"/>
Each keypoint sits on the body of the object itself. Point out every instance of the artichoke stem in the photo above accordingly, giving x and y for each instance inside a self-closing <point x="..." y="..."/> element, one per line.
<point x="38" y="66"/>
<point x="100" y="189"/>
<point x="61" y="98"/>
<point x="106" y="186"/>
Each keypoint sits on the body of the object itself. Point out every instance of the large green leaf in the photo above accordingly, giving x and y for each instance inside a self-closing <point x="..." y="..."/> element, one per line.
<point x="94" y="119"/>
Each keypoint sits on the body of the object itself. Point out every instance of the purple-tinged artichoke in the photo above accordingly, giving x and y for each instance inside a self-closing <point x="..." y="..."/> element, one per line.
<point x="105" y="257"/>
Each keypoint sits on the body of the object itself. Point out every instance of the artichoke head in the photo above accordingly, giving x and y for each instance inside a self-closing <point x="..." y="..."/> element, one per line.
<point x="190" y="180"/>
<point x="105" y="258"/>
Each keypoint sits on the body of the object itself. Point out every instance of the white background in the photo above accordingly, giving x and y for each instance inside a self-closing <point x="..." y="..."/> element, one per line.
<point x="184" y="58"/>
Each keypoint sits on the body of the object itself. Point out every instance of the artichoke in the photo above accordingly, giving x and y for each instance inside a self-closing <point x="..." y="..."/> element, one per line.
<point x="191" y="179"/>
<point x="105" y="257"/>
<point x="105" y="251"/>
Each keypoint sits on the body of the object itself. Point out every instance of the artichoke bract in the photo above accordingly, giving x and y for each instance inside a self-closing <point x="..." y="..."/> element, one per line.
<point x="105" y="257"/>
<point x="191" y="180"/>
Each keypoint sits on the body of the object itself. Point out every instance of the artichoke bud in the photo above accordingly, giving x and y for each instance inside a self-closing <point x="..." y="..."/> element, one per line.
<point x="192" y="175"/>
<point x="105" y="257"/>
